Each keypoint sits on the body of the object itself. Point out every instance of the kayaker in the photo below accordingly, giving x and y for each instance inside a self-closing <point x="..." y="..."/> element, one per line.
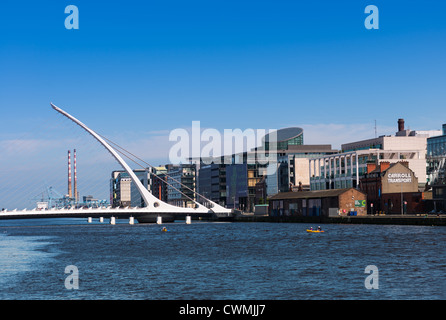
<point x="319" y="228"/>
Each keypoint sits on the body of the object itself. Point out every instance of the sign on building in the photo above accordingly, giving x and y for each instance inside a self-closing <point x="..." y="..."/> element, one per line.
<point x="399" y="178"/>
<point x="360" y="203"/>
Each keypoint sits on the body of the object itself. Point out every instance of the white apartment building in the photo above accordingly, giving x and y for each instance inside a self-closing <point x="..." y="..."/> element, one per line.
<point x="123" y="191"/>
<point x="345" y="169"/>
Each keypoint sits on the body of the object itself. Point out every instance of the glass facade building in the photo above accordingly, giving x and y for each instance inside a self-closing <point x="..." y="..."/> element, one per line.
<point x="181" y="185"/>
<point x="436" y="146"/>
<point x="284" y="138"/>
<point x="283" y="149"/>
<point x="436" y="160"/>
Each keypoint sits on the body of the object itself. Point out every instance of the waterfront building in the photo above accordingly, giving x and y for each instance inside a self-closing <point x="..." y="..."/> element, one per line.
<point x="345" y="169"/>
<point x="349" y="201"/>
<point x="123" y="192"/>
<point x="436" y="170"/>
<point x="292" y="167"/>
<point x="181" y="187"/>
<point x="212" y="182"/>
<point x="392" y="188"/>
<point x="283" y="139"/>
<point x="244" y="180"/>
<point x="235" y="184"/>
<point x="159" y="183"/>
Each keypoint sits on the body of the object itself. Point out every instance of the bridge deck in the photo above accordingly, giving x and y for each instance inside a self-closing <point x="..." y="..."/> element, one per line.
<point x="141" y="214"/>
<point x="94" y="213"/>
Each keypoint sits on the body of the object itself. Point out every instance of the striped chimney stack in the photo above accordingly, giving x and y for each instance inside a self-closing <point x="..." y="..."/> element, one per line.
<point x="70" y="192"/>
<point x="75" y="177"/>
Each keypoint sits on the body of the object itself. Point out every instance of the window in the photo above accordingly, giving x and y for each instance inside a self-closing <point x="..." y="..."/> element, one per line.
<point x="439" y="192"/>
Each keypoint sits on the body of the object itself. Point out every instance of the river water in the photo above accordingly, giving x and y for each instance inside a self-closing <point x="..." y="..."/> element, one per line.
<point x="219" y="261"/>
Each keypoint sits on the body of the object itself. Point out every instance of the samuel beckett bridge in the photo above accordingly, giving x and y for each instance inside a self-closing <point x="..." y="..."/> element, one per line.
<point x="155" y="210"/>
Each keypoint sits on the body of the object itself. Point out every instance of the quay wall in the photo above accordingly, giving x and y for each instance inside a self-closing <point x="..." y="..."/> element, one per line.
<point x="429" y="220"/>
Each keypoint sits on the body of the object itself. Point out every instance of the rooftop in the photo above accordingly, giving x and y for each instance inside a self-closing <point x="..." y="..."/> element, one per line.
<point x="309" y="194"/>
<point x="285" y="134"/>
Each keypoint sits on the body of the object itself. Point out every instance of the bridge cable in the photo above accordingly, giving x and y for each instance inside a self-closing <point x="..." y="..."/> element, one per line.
<point x="115" y="144"/>
<point x="149" y="165"/>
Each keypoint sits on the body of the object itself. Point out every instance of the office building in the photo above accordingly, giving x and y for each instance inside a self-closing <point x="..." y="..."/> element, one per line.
<point x="212" y="182"/>
<point x="345" y="169"/>
<point x="181" y="187"/>
<point x="292" y="168"/>
<point x="123" y="192"/>
<point x="249" y="179"/>
<point x="159" y="183"/>
<point x="436" y="158"/>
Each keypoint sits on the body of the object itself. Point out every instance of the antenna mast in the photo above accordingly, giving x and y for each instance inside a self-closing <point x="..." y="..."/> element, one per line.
<point x="375" y="130"/>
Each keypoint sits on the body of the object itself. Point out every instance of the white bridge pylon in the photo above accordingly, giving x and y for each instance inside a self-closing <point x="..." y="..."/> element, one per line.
<point x="153" y="204"/>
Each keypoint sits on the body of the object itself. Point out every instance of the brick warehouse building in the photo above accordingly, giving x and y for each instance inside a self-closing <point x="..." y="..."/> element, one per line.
<point x="318" y="203"/>
<point x="391" y="188"/>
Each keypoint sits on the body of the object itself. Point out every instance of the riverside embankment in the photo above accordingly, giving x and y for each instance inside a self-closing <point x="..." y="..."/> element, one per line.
<point x="422" y="220"/>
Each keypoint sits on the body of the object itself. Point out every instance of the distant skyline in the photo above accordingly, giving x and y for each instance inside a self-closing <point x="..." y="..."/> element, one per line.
<point x="137" y="71"/>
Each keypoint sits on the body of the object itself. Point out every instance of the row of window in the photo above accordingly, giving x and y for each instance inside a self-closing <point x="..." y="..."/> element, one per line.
<point x="338" y="184"/>
<point x="436" y="147"/>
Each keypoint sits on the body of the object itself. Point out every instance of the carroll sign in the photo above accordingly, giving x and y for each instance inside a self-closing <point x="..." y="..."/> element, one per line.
<point x="399" y="177"/>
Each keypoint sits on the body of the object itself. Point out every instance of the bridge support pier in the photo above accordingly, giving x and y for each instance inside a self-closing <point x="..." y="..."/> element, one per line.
<point x="112" y="220"/>
<point x="188" y="220"/>
<point x="131" y="220"/>
<point x="90" y="219"/>
<point x="101" y="219"/>
<point x="159" y="220"/>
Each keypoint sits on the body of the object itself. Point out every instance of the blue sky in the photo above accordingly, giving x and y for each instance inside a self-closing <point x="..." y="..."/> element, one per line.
<point x="136" y="70"/>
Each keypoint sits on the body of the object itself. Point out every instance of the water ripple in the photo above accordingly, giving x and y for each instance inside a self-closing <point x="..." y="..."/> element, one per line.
<point x="222" y="261"/>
